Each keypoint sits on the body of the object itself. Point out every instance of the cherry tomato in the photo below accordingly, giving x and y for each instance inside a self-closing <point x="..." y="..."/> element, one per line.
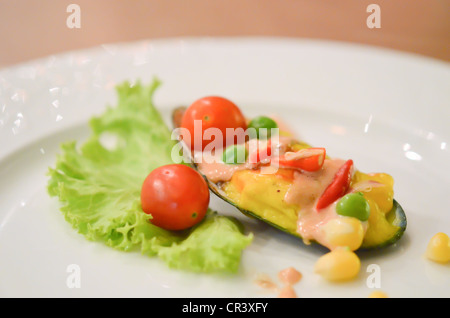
<point x="214" y="112"/>
<point x="176" y="196"/>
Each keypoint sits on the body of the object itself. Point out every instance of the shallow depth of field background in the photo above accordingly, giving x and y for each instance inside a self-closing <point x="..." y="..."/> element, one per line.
<point x="31" y="29"/>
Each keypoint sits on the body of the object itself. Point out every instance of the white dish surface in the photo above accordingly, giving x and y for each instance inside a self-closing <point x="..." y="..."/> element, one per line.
<point x="387" y="111"/>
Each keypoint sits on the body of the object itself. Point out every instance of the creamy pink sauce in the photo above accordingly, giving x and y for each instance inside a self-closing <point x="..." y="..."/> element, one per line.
<point x="288" y="277"/>
<point x="308" y="186"/>
<point x="310" y="221"/>
<point x="287" y="292"/>
<point x="305" y="190"/>
<point x="366" y="186"/>
<point x="212" y="166"/>
<point x="217" y="172"/>
<point x="264" y="281"/>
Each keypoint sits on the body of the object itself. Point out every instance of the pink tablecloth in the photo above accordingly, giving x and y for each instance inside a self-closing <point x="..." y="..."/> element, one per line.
<point x="31" y="29"/>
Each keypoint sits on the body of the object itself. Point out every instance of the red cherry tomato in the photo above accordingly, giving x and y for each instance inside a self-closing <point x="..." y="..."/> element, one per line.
<point x="214" y="112"/>
<point x="176" y="196"/>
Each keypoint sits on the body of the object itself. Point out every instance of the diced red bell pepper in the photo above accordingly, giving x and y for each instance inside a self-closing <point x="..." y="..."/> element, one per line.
<point x="262" y="154"/>
<point x="338" y="187"/>
<point x="310" y="159"/>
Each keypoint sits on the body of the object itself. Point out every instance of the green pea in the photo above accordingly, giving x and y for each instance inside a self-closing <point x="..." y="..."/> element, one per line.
<point x="235" y="154"/>
<point x="354" y="205"/>
<point x="262" y="127"/>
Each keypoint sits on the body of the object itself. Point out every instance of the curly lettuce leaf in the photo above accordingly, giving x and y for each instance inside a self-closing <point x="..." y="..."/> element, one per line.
<point x="214" y="243"/>
<point x="99" y="183"/>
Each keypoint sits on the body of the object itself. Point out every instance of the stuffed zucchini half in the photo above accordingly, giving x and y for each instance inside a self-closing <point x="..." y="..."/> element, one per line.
<point x="297" y="188"/>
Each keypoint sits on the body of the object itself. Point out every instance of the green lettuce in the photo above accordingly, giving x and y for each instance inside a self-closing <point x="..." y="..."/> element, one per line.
<point x="99" y="183"/>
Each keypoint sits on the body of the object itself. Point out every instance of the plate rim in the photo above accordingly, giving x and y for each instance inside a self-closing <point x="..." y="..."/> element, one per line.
<point x="214" y="40"/>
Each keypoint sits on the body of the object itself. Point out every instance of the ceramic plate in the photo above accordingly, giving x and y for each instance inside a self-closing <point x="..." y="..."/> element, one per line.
<point x="388" y="111"/>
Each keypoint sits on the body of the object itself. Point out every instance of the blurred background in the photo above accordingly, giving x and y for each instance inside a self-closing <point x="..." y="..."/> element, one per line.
<point x="31" y="29"/>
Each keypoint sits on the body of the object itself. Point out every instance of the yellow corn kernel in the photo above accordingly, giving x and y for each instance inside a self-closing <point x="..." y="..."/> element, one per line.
<point x="381" y="193"/>
<point x="343" y="231"/>
<point x="438" y="249"/>
<point x="383" y="178"/>
<point x="340" y="264"/>
<point x="378" y="294"/>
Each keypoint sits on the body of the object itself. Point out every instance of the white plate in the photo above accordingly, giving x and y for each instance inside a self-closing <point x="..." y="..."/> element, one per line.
<point x="388" y="111"/>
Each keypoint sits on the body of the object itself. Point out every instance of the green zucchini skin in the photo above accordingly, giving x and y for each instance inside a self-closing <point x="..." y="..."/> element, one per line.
<point x="396" y="216"/>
